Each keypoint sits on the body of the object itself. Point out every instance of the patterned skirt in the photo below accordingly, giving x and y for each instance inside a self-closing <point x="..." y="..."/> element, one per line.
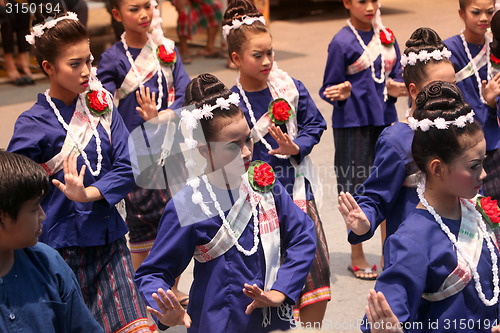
<point x="198" y="14"/>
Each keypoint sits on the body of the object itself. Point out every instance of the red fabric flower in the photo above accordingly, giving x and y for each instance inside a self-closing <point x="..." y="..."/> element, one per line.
<point x="95" y="98"/>
<point x="263" y="175"/>
<point x="494" y="60"/>
<point x="389" y="39"/>
<point x="281" y="110"/>
<point x="490" y="208"/>
<point x="166" y="57"/>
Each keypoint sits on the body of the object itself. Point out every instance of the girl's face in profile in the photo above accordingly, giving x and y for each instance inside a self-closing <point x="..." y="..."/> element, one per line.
<point x="464" y="175"/>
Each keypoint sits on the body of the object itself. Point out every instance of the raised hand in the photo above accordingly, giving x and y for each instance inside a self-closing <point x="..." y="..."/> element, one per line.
<point x="338" y="92"/>
<point x="171" y="311"/>
<point x="147" y="103"/>
<point x="380" y="315"/>
<point x="491" y="90"/>
<point x="353" y="215"/>
<point x="396" y="89"/>
<point x="286" y="145"/>
<point x="73" y="188"/>
<point x="261" y="298"/>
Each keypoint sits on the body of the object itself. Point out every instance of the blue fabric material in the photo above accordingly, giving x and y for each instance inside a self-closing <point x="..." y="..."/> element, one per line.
<point x="217" y="302"/>
<point x="366" y="104"/>
<point x="418" y="258"/>
<point x="310" y="125"/>
<point x="39" y="136"/>
<point x="41" y="294"/>
<point x="469" y="87"/>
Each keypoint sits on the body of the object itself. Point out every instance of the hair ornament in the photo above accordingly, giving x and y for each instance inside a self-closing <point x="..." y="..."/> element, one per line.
<point x="236" y="24"/>
<point x="49" y="23"/>
<point x="440" y="123"/>
<point x="424" y="56"/>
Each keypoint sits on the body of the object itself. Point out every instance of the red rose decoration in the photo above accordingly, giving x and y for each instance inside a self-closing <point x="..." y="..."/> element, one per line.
<point x="96" y="102"/>
<point x="167" y="58"/>
<point x="279" y="111"/>
<point x="494" y="60"/>
<point x="490" y="208"/>
<point x="261" y="176"/>
<point x="387" y="39"/>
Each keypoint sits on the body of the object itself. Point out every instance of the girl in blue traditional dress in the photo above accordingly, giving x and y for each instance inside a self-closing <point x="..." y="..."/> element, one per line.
<point x="442" y="262"/>
<point x="77" y="135"/>
<point x="475" y="76"/>
<point x="362" y="81"/>
<point x="286" y="125"/>
<point x="253" y="246"/>
<point x="389" y="193"/>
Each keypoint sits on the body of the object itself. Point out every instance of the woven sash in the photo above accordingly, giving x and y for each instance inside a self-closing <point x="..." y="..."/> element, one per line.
<point x="470" y="238"/>
<point x="372" y="52"/>
<point x="81" y="130"/>
<point x="480" y="60"/>
<point x="147" y="66"/>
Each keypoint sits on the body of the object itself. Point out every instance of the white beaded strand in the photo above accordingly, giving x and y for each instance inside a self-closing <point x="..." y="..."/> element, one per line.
<point x="94" y="130"/>
<point x="225" y="222"/>
<point x="136" y="71"/>
<point x="453" y="239"/>
<point x="474" y="67"/>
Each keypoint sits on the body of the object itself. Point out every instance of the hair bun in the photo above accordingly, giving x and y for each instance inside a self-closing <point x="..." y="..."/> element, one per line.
<point x="238" y="8"/>
<point x="205" y="89"/>
<point x="424" y="39"/>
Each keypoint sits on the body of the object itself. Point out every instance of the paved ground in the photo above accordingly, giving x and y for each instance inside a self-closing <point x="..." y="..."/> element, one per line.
<point x="300" y="43"/>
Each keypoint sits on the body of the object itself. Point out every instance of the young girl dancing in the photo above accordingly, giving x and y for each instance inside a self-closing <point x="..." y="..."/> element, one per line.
<point x="442" y="262"/>
<point x="286" y="125"/>
<point x="389" y="192"/>
<point x="474" y="66"/>
<point x="363" y="55"/>
<point x="77" y="135"/>
<point x="253" y="246"/>
<point x="145" y="73"/>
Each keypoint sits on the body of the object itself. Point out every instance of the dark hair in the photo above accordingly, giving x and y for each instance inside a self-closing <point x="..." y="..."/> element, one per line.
<point x="422" y="39"/>
<point x="445" y="100"/>
<point x="495" y="29"/>
<point x="21" y="179"/>
<point x="465" y="3"/>
<point x="50" y="45"/>
<point x="205" y="89"/>
<point x="115" y="4"/>
<point x="236" y="9"/>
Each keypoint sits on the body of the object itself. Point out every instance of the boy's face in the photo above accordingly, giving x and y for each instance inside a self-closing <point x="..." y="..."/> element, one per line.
<point x="361" y="12"/>
<point x="25" y="229"/>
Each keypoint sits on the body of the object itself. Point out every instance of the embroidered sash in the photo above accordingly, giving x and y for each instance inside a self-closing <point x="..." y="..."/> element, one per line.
<point x="470" y="238"/>
<point x="373" y="50"/>
<point x="81" y="129"/>
<point x="281" y="85"/>
<point x="479" y="60"/>
<point x="147" y="66"/>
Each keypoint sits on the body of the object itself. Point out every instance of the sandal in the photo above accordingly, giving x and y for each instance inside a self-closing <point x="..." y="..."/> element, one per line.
<point x="354" y="269"/>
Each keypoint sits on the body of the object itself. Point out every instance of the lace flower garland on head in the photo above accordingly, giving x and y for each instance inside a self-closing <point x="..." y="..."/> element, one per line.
<point x="440" y="123"/>
<point x="424" y="56"/>
<point x="50" y="22"/>
<point x="190" y="120"/>
<point x="237" y="23"/>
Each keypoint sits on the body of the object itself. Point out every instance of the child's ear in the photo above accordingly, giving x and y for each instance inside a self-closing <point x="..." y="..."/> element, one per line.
<point x="48" y="67"/>
<point x="461" y="14"/>
<point x="236" y="58"/>
<point x="347" y="4"/>
<point x="436" y="168"/>
<point x="204" y="150"/>
<point x="116" y="14"/>
<point x="412" y="89"/>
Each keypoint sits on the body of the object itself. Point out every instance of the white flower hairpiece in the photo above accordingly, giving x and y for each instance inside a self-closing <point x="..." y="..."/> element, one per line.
<point x="236" y="24"/>
<point x="424" y="56"/>
<point x="440" y="123"/>
<point x="49" y="23"/>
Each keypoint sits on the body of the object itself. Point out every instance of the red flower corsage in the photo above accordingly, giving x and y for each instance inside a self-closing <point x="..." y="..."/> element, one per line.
<point x="261" y="176"/>
<point x="387" y="39"/>
<point x="490" y="211"/>
<point x="280" y="111"/>
<point x="168" y="58"/>
<point x="494" y="60"/>
<point x="96" y="102"/>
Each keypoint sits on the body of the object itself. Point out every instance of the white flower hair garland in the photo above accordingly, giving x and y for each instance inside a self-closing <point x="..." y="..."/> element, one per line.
<point x="237" y="23"/>
<point x="440" y="123"/>
<point x="49" y="23"/>
<point x="424" y="56"/>
<point x="190" y="120"/>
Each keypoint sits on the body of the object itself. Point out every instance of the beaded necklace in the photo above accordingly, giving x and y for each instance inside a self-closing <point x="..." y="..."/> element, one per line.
<point x="136" y="71"/>
<point x="453" y="239"/>
<point x="92" y="126"/>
